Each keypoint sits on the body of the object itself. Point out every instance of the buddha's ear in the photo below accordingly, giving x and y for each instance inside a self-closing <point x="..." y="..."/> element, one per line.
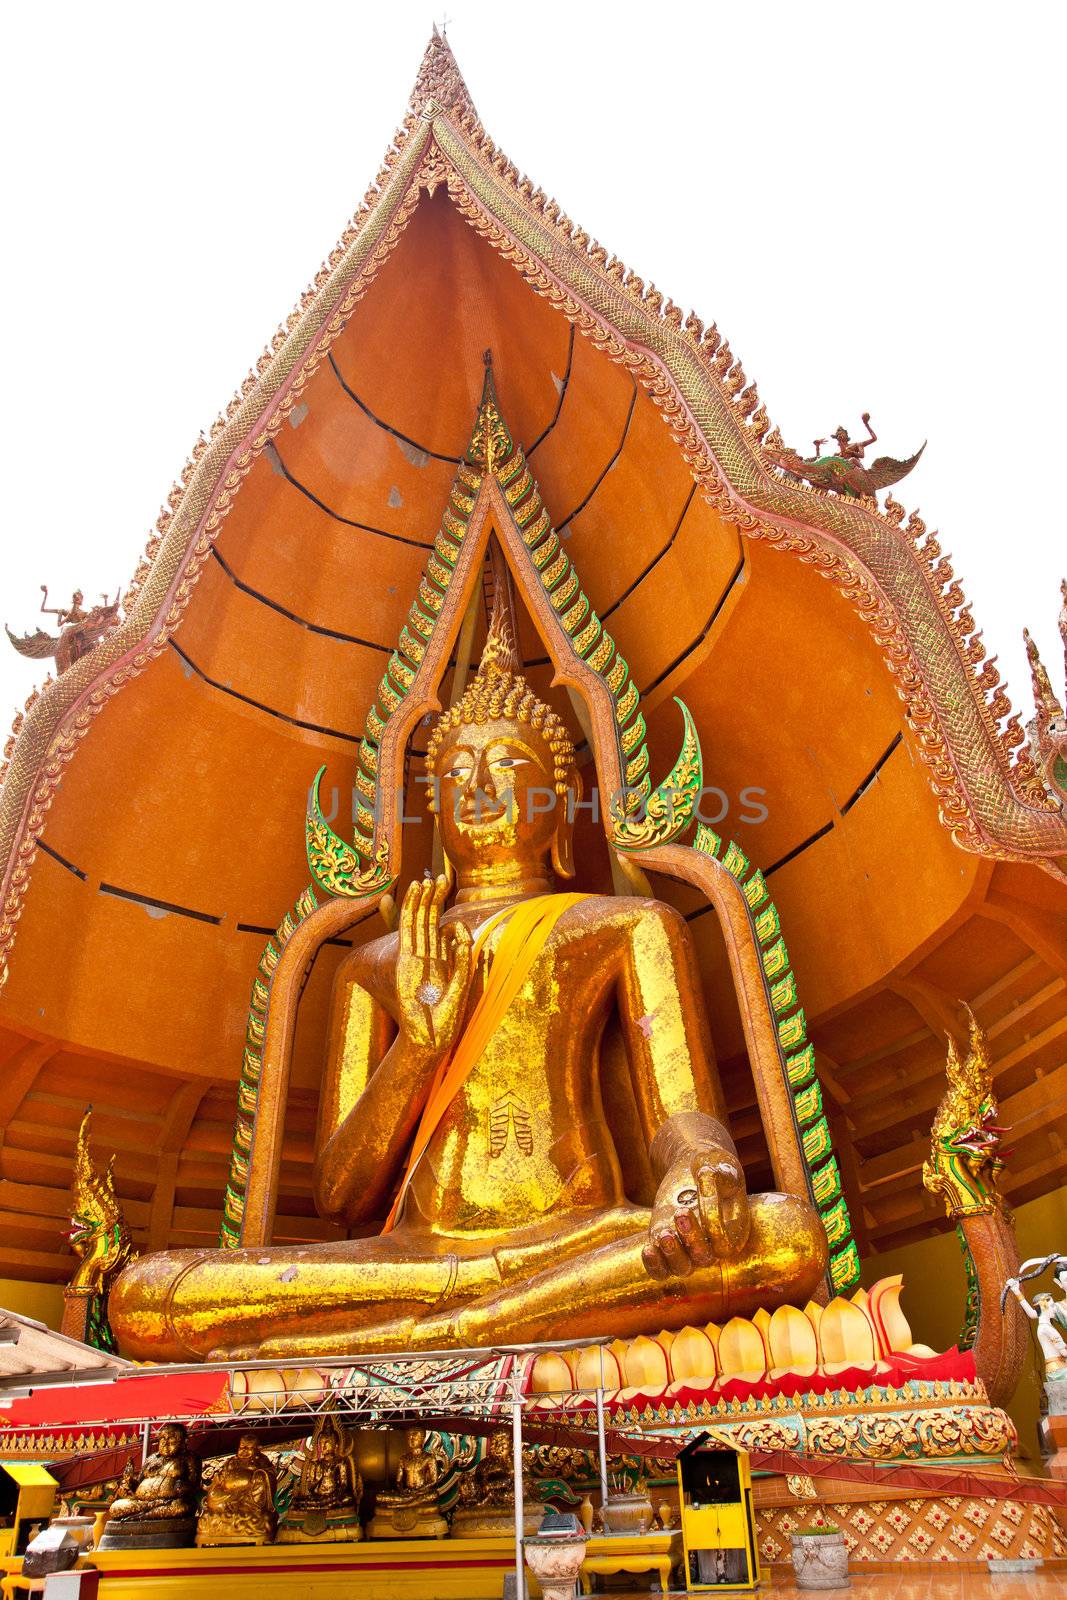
<point x="563" y="839"/>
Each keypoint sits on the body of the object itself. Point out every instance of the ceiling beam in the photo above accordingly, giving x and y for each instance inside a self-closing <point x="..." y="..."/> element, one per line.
<point x="907" y="1041"/>
<point x="1044" y="931"/>
<point x="177" y="1123"/>
<point x="1033" y="1002"/>
<point x="941" y="1013"/>
<point x="829" y="1075"/>
<point x="1024" y="968"/>
<point x="19" y="1076"/>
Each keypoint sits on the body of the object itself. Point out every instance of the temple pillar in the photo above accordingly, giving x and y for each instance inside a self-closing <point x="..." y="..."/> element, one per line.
<point x="77" y="1304"/>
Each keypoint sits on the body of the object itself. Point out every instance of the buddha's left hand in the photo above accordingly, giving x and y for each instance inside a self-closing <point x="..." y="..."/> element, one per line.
<point x="700" y="1212"/>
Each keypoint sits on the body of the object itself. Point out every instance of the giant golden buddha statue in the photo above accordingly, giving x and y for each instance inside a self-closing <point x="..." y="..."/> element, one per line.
<point x="461" y="1101"/>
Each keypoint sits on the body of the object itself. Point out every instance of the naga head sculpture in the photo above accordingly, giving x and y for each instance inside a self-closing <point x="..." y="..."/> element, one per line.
<point x="98" y="1232"/>
<point x="965" y="1139"/>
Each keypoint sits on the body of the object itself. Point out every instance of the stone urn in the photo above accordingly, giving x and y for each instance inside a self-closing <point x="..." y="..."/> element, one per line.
<point x="555" y="1561"/>
<point x="82" y="1529"/>
<point x="820" y="1558"/>
<point x="627" y="1513"/>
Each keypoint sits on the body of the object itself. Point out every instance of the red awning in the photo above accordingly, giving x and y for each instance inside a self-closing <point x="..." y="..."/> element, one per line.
<point x="144" y="1397"/>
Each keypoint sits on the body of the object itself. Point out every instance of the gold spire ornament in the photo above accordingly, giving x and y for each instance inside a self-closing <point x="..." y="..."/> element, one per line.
<point x="490" y="442"/>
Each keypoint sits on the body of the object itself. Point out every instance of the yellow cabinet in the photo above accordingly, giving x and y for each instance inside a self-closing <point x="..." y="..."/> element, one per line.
<point x="718" y="1528"/>
<point x="27" y="1497"/>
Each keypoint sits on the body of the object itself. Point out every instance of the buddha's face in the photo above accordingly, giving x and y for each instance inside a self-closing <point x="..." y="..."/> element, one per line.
<point x="170" y="1442"/>
<point x="495" y="793"/>
<point x="416" y="1438"/>
<point x="247" y="1450"/>
<point x="498" y="1446"/>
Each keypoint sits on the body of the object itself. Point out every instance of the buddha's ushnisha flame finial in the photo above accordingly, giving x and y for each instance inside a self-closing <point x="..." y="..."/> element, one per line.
<point x="500" y="656"/>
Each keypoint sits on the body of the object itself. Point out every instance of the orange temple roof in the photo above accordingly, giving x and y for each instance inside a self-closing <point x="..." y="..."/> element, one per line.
<point x="165" y="775"/>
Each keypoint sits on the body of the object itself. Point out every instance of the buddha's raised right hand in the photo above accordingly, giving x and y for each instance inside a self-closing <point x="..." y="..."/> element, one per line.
<point x="433" y="970"/>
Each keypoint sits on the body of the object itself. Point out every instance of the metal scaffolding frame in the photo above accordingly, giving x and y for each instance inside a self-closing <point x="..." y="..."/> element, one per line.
<point x="447" y="1388"/>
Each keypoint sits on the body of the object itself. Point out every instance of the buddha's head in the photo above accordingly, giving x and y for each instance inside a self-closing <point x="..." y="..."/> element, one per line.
<point x="498" y="1446"/>
<point x="247" y="1449"/>
<point x="503" y="777"/>
<point x="171" y="1441"/>
<point x="416" y="1438"/>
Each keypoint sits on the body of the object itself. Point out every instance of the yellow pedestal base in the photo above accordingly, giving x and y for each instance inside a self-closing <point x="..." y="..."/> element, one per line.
<point x="479" y="1522"/>
<point x="450" y="1569"/>
<point x="409" y="1525"/>
<point x="316" y="1529"/>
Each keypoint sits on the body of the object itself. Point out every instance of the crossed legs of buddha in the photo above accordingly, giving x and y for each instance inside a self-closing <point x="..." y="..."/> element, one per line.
<point x="569" y="1277"/>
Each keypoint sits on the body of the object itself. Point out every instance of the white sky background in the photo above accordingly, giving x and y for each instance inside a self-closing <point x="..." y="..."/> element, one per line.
<point x="868" y="199"/>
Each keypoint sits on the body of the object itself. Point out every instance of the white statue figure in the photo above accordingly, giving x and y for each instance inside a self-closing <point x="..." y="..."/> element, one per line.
<point x="1050" y="1315"/>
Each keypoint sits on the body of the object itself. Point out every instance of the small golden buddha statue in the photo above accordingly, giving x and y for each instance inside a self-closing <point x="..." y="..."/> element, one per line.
<point x="523" y="1084"/>
<point x="486" y="1501"/>
<point x="239" y="1503"/>
<point x="325" y="1504"/>
<point x="156" y="1504"/>
<point x="413" y="1509"/>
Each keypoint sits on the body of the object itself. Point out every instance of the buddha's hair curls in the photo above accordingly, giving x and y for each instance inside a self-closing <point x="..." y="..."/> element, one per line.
<point x="500" y="690"/>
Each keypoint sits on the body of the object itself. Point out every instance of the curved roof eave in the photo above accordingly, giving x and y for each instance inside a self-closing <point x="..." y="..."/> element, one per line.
<point x="989" y="796"/>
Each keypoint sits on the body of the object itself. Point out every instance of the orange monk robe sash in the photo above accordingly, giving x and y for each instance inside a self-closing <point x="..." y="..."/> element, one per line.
<point x="529" y="925"/>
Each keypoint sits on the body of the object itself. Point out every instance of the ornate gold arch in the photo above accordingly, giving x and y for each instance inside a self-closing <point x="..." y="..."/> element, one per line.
<point x="494" y="495"/>
<point x="989" y="795"/>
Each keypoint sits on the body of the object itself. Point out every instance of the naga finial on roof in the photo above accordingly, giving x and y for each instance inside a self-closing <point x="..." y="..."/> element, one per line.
<point x="1048" y="728"/>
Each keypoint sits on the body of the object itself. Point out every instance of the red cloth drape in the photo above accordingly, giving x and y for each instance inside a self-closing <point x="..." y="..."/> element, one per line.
<point x="146" y="1397"/>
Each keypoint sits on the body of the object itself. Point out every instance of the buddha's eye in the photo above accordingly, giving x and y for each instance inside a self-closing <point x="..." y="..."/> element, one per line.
<point x="505" y="763"/>
<point x="458" y="773"/>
